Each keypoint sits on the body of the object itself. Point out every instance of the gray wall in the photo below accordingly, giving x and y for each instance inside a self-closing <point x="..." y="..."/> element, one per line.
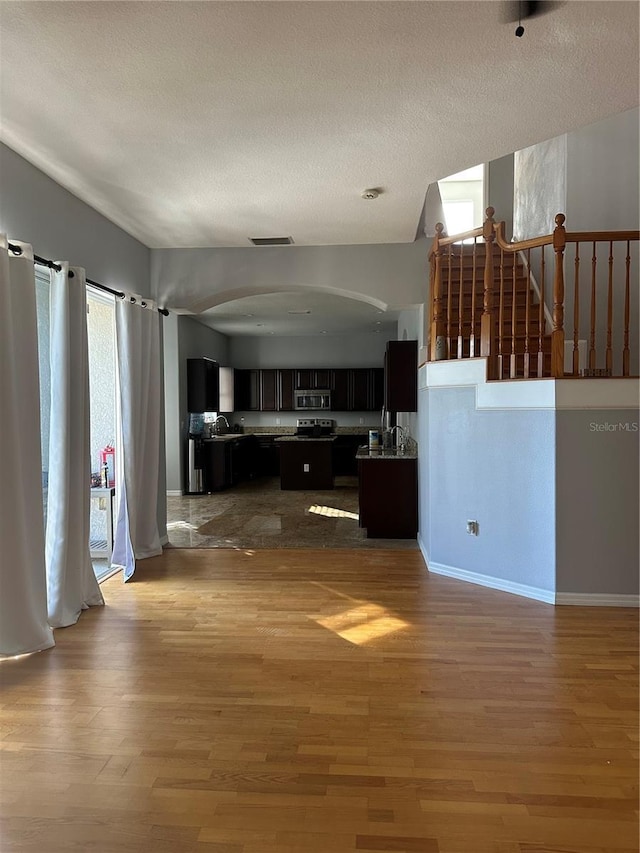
<point x="422" y="428"/>
<point x="196" y="279"/>
<point x="592" y="176"/>
<point x="365" y="350"/>
<point x="597" y="465"/>
<point x="36" y="209"/>
<point x="496" y="467"/>
<point x="184" y="338"/>
<point x="410" y="328"/>
<point x="540" y="187"/>
<point x="499" y="192"/>
<point x="602" y="174"/>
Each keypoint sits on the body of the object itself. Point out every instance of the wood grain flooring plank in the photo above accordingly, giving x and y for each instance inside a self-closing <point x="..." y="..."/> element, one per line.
<point x="322" y="702"/>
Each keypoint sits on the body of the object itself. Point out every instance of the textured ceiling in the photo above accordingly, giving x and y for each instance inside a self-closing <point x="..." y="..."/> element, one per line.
<point x="207" y="123"/>
<point x="284" y="314"/>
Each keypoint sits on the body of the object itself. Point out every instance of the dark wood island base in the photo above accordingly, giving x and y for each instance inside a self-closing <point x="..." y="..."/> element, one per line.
<point x="305" y="463"/>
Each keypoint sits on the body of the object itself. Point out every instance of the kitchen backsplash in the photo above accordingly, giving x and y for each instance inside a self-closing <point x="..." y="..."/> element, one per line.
<point x="290" y="430"/>
<point x="268" y="421"/>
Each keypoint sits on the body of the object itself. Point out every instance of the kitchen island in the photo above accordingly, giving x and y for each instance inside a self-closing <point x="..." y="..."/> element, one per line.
<point x="306" y="462"/>
<point x="388" y="493"/>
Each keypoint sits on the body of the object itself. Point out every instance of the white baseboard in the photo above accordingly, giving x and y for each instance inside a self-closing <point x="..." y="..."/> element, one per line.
<point x="548" y="596"/>
<point x="597" y="599"/>
<point x="423" y="550"/>
<point x="174" y="493"/>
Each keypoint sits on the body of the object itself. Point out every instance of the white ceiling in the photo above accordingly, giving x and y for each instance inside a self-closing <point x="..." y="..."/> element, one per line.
<point x="281" y="314"/>
<point x="204" y="124"/>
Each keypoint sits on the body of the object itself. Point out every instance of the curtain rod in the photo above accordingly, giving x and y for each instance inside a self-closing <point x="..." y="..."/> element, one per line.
<point x="17" y="250"/>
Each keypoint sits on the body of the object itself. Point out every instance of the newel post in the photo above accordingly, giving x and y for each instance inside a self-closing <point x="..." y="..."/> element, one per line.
<point x="557" y="332"/>
<point x="437" y="328"/>
<point x="487" y="321"/>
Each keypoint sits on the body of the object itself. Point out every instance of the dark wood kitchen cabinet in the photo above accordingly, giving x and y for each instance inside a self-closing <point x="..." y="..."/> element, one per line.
<point x="360" y="389"/>
<point x="247" y="390"/>
<point x="285" y="390"/>
<point x="388" y="494"/>
<point x="306" y="464"/>
<point x="340" y="385"/>
<point x="367" y="384"/>
<point x="401" y="376"/>
<point x="344" y="450"/>
<point x="229" y="461"/>
<point x="256" y="390"/>
<point x="203" y="388"/>
<point x="312" y="379"/>
<point x="269" y="390"/>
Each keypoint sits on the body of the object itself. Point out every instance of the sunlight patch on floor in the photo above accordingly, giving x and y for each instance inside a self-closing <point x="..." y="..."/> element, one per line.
<point x="181" y="525"/>
<point x="363" y="623"/>
<point x="332" y="512"/>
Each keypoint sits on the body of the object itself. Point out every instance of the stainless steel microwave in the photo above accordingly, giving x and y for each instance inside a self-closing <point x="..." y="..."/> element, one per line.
<point x="312" y="400"/>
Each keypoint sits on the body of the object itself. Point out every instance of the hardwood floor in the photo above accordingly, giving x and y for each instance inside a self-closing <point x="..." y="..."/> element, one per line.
<point x="324" y="701"/>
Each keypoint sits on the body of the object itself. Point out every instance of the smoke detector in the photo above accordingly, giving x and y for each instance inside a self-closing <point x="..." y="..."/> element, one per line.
<point x="370" y="194"/>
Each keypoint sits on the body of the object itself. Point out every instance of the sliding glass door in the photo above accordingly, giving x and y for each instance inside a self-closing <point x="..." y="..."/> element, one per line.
<point x="102" y="389"/>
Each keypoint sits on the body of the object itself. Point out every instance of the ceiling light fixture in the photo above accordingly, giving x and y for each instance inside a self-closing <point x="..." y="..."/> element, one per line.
<point x="370" y="194"/>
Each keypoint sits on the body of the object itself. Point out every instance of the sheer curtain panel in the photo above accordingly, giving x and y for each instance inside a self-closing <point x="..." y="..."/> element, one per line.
<point x="23" y="587"/>
<point x="138" y="445"/>
<point x="71" y="582"/>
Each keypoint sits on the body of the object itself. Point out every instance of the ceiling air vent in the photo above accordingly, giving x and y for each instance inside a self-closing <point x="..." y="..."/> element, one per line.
<point x="271" y="241"/>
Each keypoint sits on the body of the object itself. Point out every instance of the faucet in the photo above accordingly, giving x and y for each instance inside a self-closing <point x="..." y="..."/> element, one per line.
<point x="400" y="438"/>
<point x="215" y="424"/>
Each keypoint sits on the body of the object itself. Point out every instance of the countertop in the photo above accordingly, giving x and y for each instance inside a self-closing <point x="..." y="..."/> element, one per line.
<point x="305" y="439"/>
<point x="364" y="452"/>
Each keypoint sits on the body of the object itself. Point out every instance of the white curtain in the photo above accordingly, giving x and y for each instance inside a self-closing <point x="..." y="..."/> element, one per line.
<point x="23" y="590"/>
<point x="138" y="445"/>
<point x="71" y="582"/>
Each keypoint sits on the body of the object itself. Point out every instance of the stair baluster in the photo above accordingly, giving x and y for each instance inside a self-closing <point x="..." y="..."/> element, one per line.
<point x="557" y="333"/>
<point x="625" y="346"/>
<point x="576" y="313"/>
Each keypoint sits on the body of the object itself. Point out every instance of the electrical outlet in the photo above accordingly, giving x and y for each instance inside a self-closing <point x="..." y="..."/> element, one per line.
<point x="305" y="467"/>
<point x="473" y="528"/>
<point x="361" y="420"/>
<point x="277" y="421"/>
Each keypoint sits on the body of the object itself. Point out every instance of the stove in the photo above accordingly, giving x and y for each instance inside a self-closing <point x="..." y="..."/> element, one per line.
<point x="314" y="427"/>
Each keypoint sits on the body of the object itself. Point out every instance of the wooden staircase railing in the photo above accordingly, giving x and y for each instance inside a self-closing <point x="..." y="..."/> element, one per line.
<point x="488" y="298"/>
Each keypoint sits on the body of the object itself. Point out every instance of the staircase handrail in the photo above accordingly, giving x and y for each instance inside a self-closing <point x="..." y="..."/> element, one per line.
<point x="492" y="234"/>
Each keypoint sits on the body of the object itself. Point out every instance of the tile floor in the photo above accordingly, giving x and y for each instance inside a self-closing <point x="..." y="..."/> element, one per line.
<point x="258" y="514"/>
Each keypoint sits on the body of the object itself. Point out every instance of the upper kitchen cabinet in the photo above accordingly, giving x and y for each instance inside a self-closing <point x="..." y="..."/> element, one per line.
<point x="401" y="376"/>
<point x="286" y="379"/>
<point x="367" y="389"/>
<point x="312" y="379"/>
<point x="269" y="390"/>
<point x="247" y="390"/>
<point x="340" y="389"/>
<point x="203" y="387"/>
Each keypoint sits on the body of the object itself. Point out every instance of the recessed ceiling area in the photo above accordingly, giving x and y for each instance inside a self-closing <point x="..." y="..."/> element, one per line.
<point x="207" y="124"/>
<point x="282" y="314"/>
